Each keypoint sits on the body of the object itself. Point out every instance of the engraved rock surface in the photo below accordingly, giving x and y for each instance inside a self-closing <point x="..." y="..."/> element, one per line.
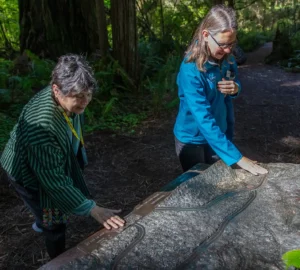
<point x="220" y="219"/>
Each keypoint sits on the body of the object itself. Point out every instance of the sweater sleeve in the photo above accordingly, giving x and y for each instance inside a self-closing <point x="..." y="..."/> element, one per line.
<point x="193" y="89"/>
<point x="48" y="163"/>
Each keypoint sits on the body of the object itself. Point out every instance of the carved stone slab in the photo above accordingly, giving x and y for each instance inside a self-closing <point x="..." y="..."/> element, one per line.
<point x="219" y="219"/>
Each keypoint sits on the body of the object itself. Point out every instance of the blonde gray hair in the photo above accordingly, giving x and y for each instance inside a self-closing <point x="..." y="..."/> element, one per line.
<point x="218" y="20"/>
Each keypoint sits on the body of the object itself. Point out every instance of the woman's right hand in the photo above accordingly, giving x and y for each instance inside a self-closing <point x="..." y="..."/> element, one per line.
<point x="107" y="217"/>
<point x="251" y="166"/>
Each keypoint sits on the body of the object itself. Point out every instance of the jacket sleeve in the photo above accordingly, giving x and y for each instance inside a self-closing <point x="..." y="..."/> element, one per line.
<point x="47" y="161"/>
<point x="193" y="90"/>
<point x="85" y="208"/>
<point x="236" y="79"/>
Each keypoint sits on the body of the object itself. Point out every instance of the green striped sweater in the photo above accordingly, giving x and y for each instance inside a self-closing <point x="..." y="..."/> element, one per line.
<point x="40" y="157"/>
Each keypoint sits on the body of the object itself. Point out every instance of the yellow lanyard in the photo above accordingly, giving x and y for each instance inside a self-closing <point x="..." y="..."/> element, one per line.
<point x="73" y="129"/>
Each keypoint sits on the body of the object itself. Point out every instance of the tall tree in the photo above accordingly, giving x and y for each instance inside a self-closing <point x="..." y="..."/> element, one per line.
<point x="124" y="32"/>
<point x="217" y="2"/>
<point x="231" y="3"/>
<point x="50" y="28"/>
<point x="102" y="27"/>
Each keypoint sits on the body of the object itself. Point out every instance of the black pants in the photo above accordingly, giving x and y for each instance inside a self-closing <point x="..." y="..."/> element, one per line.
<point x="54" y="235"/>
<point x="191" y="154"/>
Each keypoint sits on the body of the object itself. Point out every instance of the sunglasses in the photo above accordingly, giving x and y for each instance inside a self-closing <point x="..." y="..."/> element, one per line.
<point x="222" y="45"/>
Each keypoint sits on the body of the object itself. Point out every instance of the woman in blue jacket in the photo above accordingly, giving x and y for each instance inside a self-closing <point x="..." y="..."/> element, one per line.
<point x="206" y="87"/>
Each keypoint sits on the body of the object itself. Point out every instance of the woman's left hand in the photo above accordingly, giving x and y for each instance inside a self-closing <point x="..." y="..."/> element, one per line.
<point x="251" y="166"/>
<point x="228" y="87"/>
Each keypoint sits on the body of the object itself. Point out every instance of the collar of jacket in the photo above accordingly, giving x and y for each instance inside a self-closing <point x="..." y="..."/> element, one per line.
<point x="211" y="64"/>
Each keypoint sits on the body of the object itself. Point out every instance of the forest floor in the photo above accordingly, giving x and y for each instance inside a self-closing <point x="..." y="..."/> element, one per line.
<point x="124" y="170"/>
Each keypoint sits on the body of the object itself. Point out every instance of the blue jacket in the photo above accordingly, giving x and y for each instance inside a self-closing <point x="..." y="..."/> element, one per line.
<point x="202" y="110"/>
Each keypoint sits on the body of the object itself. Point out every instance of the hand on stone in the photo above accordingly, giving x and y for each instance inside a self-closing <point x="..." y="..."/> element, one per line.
<point x="251" y="166"/>
<point x="107" y="217"/>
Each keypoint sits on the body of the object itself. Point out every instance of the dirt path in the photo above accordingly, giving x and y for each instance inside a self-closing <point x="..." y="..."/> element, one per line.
<point x="268" y="111"/>
<point x="123" y="170"/>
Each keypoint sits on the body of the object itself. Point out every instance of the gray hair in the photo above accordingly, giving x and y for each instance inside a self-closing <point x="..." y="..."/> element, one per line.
<point x="72" y="73"/>
<point x="218" y="20"/>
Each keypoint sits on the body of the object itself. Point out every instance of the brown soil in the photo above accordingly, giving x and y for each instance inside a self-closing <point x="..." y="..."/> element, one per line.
<point x="124" y="170"/>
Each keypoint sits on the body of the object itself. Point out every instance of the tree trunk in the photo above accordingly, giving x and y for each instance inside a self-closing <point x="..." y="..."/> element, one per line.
<point x="217" y="2"/>
<point x="50" y="28"/>
<point x="123" y="16"/>
<point x="296" y="14"/>
<point x="231" y="3"/>
<point x="102" y="27"/>
<point x="162" y="23"/>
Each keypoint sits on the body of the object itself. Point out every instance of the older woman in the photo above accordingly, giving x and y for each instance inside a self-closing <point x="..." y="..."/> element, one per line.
<point x="45" y="155"/>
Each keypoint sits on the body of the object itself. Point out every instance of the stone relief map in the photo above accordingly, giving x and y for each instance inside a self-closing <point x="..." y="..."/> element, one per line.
<point x="219" y="219"/>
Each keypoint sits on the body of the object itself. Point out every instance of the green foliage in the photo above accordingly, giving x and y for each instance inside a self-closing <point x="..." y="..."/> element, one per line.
<point x="162" y="85"/>
<point x="165" y="28"/>
<point x="125" y="123"/>
<point x="6" y="125"/>
<point x="19" y="88"/>
<point x="40" y="69"/>
<point x="295" y="40"/>
<point x="174" y="22"/>
<point x="292" y="258"/>
<point x="292" y="64"/>
<point x="117" y="106"/>
<point x="8" y="118"/>
<point x="5" y="66"/>
<point x="9" y="30"/>
<point x="107" y="3"/>
<point x="111" y="77"/>
<point x="16" y="89"/>
<point x="114" y="106"/>
<point x="286" y="48"/>
<point x="112" y="113"/>
<point x="252" y="40"/>
<point x="121" y="122"/>
<point x="259" y="20"/>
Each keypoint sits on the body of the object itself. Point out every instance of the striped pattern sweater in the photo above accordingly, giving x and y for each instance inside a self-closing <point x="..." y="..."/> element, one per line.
<point x="40" y="157"/>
